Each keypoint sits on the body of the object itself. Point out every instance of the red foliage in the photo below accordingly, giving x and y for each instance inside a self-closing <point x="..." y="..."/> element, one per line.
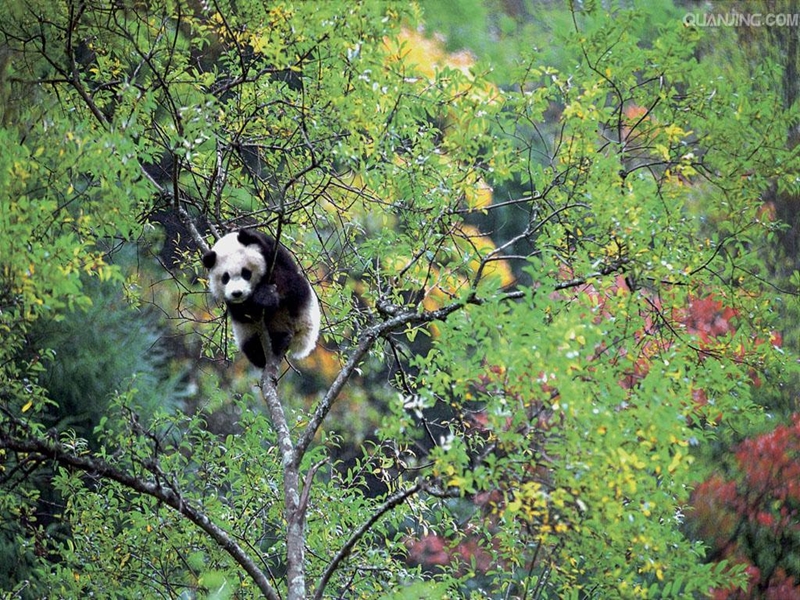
<point x="708" y="318"/>
<point x="779" y="587"/>
<point x="432" y="550"/>
<point x="753" y="517"/>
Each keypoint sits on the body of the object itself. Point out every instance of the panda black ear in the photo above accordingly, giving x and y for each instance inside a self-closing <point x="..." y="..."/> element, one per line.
<point x="209" y="259"/>
<point x="247" y="237"/>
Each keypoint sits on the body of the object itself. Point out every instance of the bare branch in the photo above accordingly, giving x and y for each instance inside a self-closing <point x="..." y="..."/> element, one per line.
<point x="390" y="503"/>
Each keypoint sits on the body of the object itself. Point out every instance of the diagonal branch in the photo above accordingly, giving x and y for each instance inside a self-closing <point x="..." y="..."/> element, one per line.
<point x="390" y="503"/>
<point x="399" y="319"/>
<point x="59" y="453"/>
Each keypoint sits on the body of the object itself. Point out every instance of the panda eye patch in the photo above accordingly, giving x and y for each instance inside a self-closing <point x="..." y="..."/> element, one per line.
<point x="246" y="274"/>
<point x="225" y="278"/>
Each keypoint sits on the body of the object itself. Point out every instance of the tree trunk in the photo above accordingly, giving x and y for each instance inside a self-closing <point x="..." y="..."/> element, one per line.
<point x="294" y="511"/>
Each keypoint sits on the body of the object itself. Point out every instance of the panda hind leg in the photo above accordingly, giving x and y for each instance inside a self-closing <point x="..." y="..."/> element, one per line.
<point x="280" y="340"/>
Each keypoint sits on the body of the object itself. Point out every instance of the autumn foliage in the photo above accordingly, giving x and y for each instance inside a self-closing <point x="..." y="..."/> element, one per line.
<point x="749" y="515"/>
<point x="707" y="325"/>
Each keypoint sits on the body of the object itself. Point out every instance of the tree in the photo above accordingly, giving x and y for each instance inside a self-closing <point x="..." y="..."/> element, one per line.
<point x="541" y="381"/>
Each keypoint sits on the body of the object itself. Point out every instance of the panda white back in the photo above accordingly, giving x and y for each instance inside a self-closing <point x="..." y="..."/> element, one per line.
<point x="306" y="330"/>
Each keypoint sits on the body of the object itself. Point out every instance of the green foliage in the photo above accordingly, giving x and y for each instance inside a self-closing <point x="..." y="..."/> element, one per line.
<point x="111" y="526"/>
<point x="104" y="350"/>
<point x="583" y="463"/>
<point x="580" y="248"/>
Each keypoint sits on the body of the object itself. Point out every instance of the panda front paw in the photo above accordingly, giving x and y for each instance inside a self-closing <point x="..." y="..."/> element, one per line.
<point x="266" y="296"/>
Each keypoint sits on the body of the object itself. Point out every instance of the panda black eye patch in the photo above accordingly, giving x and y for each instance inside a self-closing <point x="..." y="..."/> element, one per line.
<point x="225" y="278"/>
<point x="246" y="274"/>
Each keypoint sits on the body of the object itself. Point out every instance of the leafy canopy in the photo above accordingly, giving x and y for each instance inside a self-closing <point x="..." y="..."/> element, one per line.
<point x="578" y="246"/>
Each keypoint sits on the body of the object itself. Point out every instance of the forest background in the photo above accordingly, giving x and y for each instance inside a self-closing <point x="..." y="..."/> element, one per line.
<point x="555" y="245"/>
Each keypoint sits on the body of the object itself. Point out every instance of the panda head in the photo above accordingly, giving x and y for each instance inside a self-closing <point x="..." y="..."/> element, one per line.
<point x="234" y="268"/>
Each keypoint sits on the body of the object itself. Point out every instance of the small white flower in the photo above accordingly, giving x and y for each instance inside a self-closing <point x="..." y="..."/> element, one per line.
<point x="446" y="441"/>
<point x="413" y="403"/>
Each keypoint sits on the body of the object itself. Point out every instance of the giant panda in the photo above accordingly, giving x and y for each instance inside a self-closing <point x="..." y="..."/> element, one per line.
<point x="284" y="304"/>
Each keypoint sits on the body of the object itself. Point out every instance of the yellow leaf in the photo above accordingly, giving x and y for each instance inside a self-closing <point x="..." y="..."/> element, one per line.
<point x="676" y="460"/>
<point x="27" y="407"/>
<point x="663" y="151"/>
<point x="478" y="196"/>
<point x="456" y="482"/>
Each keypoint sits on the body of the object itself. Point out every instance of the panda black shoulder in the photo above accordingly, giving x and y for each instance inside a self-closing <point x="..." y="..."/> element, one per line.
<point x="290" y="281"/>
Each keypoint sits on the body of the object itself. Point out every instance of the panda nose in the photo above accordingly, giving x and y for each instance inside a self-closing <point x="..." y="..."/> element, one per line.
<point x="236" y="294"/>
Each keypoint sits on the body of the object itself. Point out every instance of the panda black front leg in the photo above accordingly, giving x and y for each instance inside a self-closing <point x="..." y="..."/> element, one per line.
<point x="254" y="351"/>
<point x="266" y="296"/>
